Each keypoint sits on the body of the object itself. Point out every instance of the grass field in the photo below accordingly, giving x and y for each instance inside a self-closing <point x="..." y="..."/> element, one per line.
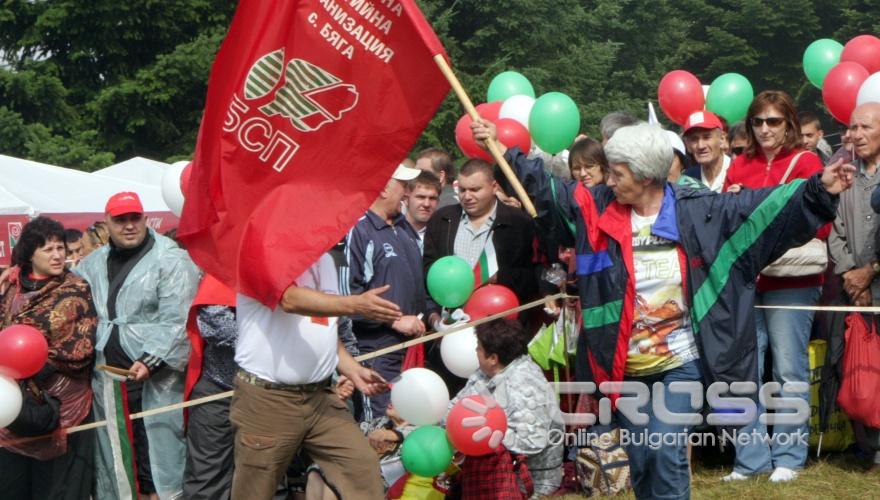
<point x="838" y="476"/>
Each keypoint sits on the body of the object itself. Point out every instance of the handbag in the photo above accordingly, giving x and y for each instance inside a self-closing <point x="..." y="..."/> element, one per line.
<point x="805" y="260"/>
<point x="860" y="380"/>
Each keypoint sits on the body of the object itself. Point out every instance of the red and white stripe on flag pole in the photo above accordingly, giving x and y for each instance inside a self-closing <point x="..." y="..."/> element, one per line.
<point x="311" y="106"/>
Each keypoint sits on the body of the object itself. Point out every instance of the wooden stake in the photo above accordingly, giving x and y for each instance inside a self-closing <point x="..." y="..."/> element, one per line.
<point x="494" y="150"/>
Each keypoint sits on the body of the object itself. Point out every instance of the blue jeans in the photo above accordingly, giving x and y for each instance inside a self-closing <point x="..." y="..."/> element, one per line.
<point x="788" y="334"/>
<point x="661" y="472"/>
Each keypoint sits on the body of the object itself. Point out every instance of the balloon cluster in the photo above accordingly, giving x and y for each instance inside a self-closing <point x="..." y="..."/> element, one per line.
<point x="475" y="425"/>
<point x="551" y="121"/>
<point x="175" y="182"/>
<point x="23" y="353"/>
<point x="680" y="93"/>
<point x="848" y="75"/>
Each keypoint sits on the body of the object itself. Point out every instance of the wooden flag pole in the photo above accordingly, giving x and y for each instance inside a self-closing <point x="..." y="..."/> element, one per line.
<point x="494" y="150"/>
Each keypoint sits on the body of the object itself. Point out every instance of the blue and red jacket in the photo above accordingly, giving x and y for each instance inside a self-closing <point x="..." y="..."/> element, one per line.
<point x="724" y="240"/>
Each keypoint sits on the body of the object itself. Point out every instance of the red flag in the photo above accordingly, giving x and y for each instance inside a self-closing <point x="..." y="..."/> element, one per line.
<point x="311" y="106"/>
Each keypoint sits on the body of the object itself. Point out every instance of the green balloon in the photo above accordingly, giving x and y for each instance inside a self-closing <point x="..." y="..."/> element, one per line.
<point x="730" y="96"/>
<point x="450" y="281"/>
<point x="426" y="451"/>
<point x="509" y="84"/>
<point x="554" y="122"/>
<point x="819" y="58"/>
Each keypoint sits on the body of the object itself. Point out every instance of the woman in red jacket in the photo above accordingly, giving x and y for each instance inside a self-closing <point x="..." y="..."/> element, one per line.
<point x="774" y="156"/>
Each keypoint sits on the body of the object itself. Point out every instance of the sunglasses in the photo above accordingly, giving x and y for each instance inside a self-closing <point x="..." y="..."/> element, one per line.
<point x="773" y="121"/>
<point x="738" y="150"/>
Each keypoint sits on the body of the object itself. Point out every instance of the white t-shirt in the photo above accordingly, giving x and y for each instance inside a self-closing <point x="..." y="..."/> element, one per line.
<point x="288" y="348"/>
<point x="718" y="182"/>
<point x="662" y="337"/>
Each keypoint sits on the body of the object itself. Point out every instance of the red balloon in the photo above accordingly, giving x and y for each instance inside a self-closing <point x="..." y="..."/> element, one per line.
<point x="864" y="50"/>
<point x="489" y="300"/>
<point x="184" y="178"/>
<point x="465" y="140"/>
<point x="512" y="133"/>
<point x="490" y="110"/>
<point x="680" y="94"/>
<point x="841" y="88"/>
<point x="476" y="427"/>
<point x="23" y="351"/>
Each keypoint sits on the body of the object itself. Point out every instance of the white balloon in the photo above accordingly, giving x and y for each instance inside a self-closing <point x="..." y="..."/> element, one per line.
<point x="870" y="90"/>
<point x="10" y="401"/>
<point x="420" y="396"/>
<point x="171" y="192"/>
<point x="518" y="108"/>
<point x="459" y="352"/>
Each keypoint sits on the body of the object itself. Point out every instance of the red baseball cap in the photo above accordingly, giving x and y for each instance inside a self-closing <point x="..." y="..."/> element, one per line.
<point x="702" y="119"/>
<point x="125" y="202"/>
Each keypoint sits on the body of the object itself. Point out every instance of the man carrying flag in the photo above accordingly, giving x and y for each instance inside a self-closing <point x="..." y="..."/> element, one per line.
<point x="311" y="105"/>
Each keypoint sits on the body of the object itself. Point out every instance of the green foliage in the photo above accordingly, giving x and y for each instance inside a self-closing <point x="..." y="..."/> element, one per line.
<point x="84" y="83"/>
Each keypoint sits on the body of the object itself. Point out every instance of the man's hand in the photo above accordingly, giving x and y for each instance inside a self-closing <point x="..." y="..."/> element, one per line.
<point x="383" y="440"/>
<point x="139" y="372"/>
<point x="411" y="326"/>
<point x="344" y="388"/>
<point x="864" y="299"/>
<point x="367" y="381"/>
<point x="371" y="306"/>
<point x="735" y="188"/>
<point x="838" y="177"/>
<point x="857" y="280"/>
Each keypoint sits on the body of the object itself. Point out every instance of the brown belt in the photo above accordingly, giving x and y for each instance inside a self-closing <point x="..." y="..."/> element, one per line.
<point x="252" y="379"/>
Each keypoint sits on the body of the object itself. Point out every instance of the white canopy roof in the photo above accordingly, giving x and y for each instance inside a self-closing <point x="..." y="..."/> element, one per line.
<point x="12" y="205"/>
<point x="137" y="169"/>
<point x="51" y="189"/>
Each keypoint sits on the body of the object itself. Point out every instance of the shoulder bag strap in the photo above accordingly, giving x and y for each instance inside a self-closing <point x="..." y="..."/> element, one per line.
<point x="791" y="167"/>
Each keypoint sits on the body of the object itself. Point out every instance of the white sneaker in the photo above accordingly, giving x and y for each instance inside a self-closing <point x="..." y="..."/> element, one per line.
<point x="782" y="474"/>
<point x="734" y="476"/>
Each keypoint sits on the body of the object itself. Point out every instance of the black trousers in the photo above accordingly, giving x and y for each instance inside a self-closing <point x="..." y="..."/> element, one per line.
<point x="68" y="477"/>
<point x="210" y="446"/>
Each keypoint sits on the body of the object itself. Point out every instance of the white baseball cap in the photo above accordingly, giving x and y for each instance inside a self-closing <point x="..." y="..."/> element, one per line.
<point x="404" y="173"/>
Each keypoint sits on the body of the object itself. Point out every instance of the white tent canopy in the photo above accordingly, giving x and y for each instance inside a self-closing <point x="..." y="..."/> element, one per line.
<point x="137" y="169"/>
<point x="51" y="189"/>
<point x="12" y="205"/>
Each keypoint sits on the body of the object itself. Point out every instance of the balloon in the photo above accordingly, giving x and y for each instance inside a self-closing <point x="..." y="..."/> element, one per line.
<point x="518" y="108"/>
<point x="841" y="88"/>
<point x="171" y="186"/>
<point x="512" y="133"/>
<point x="509" y="84"/>
<point x="23" y="351"/>
<point x="870" y="90"/>
<point x="819" y="58"/>
<point x="450" y="281"/>
<point x="465" y="140"/>
<point x="489" y="110"/>
<point x="730" y="96"/>
<point x="420" y="396"/>
<point x="476" y="426"/>
<point x="489" y="300"/>
<point x="426" y="451"/>
<point x="554" y="122"/>
<point x="459" y="352"/>
<point x="10" y="401"/>
<point x="185" y="177"/>
<point x="680" y="94"/>
<point x="864" y="50"/>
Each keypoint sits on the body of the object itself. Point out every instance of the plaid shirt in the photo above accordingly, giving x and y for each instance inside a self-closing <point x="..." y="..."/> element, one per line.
<point x="470" y="241"/>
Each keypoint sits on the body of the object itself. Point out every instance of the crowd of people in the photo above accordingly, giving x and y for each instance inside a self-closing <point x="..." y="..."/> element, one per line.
<point x="668" y="240"/>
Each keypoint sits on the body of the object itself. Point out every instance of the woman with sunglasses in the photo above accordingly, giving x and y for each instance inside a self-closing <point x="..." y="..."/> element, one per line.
<point x="774" y="156"/>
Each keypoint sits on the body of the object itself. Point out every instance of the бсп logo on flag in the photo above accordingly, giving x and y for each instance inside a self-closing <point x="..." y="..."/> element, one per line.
<point x="309" y="97"/>
<point x="14" y="229"/>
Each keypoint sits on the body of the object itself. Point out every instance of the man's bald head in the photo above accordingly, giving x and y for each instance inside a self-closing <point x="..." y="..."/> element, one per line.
<point x="864" y="132"/>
